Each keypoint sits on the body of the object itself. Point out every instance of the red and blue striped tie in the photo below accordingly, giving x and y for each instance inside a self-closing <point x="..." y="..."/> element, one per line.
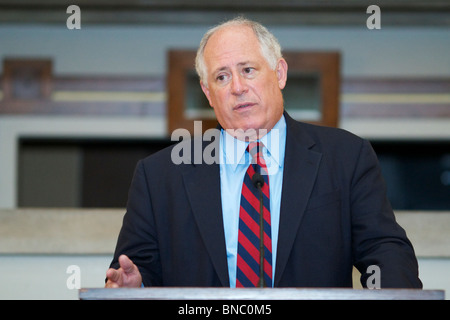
<point x="248" y="257"/>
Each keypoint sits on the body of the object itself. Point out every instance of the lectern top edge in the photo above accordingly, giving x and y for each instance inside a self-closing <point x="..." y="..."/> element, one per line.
<point x="184" y="293"/>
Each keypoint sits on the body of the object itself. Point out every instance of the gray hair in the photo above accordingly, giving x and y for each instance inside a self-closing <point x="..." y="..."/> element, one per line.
<point x="270" y="48"/>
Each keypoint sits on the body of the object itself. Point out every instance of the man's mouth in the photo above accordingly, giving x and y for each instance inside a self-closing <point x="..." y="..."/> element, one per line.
<point x="243" y="106"/>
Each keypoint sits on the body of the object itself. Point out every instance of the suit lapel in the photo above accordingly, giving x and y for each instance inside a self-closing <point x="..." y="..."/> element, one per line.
<point x="202" y="184"/>
<point x="300" y="170"/>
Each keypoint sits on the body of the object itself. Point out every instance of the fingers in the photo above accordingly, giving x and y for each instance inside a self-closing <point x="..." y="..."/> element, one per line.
<point x="114" y="278"/>
<point x="126" y="264"/>
<point x="127" y="275"/>
<point x="113" y="274"/>
<point x="110" y="284"/>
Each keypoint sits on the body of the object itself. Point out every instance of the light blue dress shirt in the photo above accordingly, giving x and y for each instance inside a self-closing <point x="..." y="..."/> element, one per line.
<point x="234" y="161"/>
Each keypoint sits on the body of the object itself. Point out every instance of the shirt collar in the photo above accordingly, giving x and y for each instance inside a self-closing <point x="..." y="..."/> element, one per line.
<point x="274" y="142"/>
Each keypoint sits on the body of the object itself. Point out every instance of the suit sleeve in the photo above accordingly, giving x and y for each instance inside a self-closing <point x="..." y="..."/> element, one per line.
<point x="137" y="237"/>
<point x="377" y="239"/>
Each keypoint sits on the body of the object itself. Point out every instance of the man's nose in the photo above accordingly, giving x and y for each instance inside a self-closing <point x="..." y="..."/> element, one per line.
<point x="238" y="85"/>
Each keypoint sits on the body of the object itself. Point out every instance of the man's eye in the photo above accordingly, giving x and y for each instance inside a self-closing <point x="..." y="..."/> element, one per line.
<point x="248" y="72"/>
<point x="221" y="77"/>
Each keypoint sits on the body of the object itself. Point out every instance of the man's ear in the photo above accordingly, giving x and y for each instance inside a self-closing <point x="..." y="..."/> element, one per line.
<point x="205" y="90"/>
<point x="282" y="69"/>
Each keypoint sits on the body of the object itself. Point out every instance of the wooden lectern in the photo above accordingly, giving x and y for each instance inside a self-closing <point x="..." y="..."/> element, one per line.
<point x="166" y="293"/>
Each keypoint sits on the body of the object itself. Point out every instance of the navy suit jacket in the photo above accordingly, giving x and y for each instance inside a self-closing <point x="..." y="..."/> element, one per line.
<point x="334" y="215"/>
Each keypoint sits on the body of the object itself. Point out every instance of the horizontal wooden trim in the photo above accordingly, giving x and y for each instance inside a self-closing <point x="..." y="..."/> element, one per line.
<point x="108" y="96"/>
<point x="396" y="98"/>
<point x="109" y="83"/>
<point x="394" y="110"/>
<point x="399" y="98"/>
<point x="355" y="85"/>
<point x="137" y="96"/>
<point x="84" y="108"/>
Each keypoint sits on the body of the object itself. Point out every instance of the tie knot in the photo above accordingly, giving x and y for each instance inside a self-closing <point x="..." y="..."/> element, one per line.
<point x="256" y="151"/>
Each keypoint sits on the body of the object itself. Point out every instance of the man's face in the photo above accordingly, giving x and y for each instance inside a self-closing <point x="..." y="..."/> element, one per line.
<point x="242" y="88"/>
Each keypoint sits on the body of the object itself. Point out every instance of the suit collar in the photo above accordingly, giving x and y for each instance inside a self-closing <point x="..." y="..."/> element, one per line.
<point x="298" y="133"/>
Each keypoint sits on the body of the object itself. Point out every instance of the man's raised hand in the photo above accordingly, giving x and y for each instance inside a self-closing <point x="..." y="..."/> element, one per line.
<point x="127" y="275"/>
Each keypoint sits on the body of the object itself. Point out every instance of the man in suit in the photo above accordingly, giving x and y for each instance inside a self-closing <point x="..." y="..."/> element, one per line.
<point x="328" y="205"/>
